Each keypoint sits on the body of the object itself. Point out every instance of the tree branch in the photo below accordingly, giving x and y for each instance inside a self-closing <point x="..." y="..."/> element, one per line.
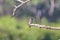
<point x="16" y="7"/>
<point x="42" y="26"/>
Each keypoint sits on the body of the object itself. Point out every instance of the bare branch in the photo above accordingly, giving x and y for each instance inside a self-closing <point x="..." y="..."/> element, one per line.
<point x="16" y="7"/>
<point x="20" y="1"/>
<point x="43" y="26"/>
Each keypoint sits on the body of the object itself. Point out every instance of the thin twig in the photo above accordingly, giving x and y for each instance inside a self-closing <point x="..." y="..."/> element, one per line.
<point x="16" y="7"/>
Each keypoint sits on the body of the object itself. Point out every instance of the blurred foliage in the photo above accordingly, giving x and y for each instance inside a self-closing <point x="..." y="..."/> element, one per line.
<point x="12" y="28"/>
<point x="11" y="2"/>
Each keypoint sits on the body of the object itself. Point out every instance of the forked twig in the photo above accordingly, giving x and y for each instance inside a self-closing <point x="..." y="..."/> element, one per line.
<point x="22" y="3"/>
<point x="42" y="26"/>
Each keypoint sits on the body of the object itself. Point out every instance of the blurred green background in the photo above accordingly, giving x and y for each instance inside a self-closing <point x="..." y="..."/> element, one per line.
<point x="16" y="28"/>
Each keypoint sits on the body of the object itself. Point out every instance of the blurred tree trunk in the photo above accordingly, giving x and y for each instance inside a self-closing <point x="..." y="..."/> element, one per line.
<point x="1" y="7"/>
<point x="7" y="8"/>
<point x="52" y="6"/>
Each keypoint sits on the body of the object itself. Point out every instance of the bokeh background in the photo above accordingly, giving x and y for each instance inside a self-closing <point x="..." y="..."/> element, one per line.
<point x="16" y="27"/>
